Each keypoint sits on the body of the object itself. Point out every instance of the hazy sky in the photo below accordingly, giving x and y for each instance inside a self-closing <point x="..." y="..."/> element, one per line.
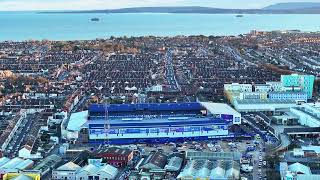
<point x="11" y="5"/>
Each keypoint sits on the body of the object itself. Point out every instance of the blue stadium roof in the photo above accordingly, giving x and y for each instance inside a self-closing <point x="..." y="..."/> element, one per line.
<point x="96" y="108"/>
<point x="158" y="122"/>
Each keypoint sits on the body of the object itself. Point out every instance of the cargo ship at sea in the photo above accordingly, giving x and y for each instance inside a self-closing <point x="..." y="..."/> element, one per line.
<point x="95" y="19"/>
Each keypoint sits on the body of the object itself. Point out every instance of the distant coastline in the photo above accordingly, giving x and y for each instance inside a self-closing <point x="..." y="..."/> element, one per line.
<point x="224" y="11"/>
<point x="281" y="8"/>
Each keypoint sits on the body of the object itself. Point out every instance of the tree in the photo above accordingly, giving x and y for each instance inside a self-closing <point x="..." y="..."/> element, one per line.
<point x="45" y="137"/>
<point x="273" y="160"/>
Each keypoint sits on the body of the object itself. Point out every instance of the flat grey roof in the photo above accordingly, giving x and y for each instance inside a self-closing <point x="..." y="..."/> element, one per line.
<point x="219" y="108"/>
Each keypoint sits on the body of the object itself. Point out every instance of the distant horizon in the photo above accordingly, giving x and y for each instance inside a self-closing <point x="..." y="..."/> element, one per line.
<point x="77" y="5"/>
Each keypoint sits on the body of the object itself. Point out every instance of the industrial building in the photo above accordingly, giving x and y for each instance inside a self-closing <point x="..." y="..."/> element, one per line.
<point x="296" y="171"/>
<point x="70" y="127"/>
<point x="66" y="171"/>
<point x="267" y="105"/>
<point x="211" y="165"/>
<point x="291" y="90"/>
<point x="94" y="170"/>
<point x="308" y="115"/>
<point x="303" y="119"/>
<point x="174" y="163"/>
<point x="21" y="176"/>
<point x="155" y="123"/>
<point x="206" y="169"/>
<point x="47" y="164"/>
<point x="118" y="157"/>
<point x="14" y="165"/>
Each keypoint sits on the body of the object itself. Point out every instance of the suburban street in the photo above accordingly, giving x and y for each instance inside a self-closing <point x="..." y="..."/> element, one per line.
<point x="21" y="133"/>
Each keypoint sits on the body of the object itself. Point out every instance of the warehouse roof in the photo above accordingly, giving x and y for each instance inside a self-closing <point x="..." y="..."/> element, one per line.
<point x="213" y="155"/>
<point x="77" y="120"/>
<point x="207" y="169"/>
<point x="48" y="162"/>
<point x="90" y="168"/>
<point x="220" y="108"/>
<point x="156" y="160"/>
<point x="110" y="170"/>
<point x="15" y="163"/>
<point x="70" y="166"/>
<point x="311" y="148"/>
<point x="24" y="164"/>
<point x="4" y="160"/>
<point x="116" y="151"/>
<point x="300" y="168"/>
<point x="12" y="163"/>
<point x="174" y="163"/>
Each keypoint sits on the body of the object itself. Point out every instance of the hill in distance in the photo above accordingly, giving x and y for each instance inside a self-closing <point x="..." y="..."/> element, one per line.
<point x="293" y="5"/>
<point x="280" y="8"/>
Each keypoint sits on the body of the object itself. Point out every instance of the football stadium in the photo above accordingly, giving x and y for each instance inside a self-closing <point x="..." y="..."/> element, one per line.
<point x="158" y="123"/>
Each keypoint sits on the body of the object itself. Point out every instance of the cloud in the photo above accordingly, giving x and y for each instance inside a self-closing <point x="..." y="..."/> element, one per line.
<point x="8" y="5"/>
